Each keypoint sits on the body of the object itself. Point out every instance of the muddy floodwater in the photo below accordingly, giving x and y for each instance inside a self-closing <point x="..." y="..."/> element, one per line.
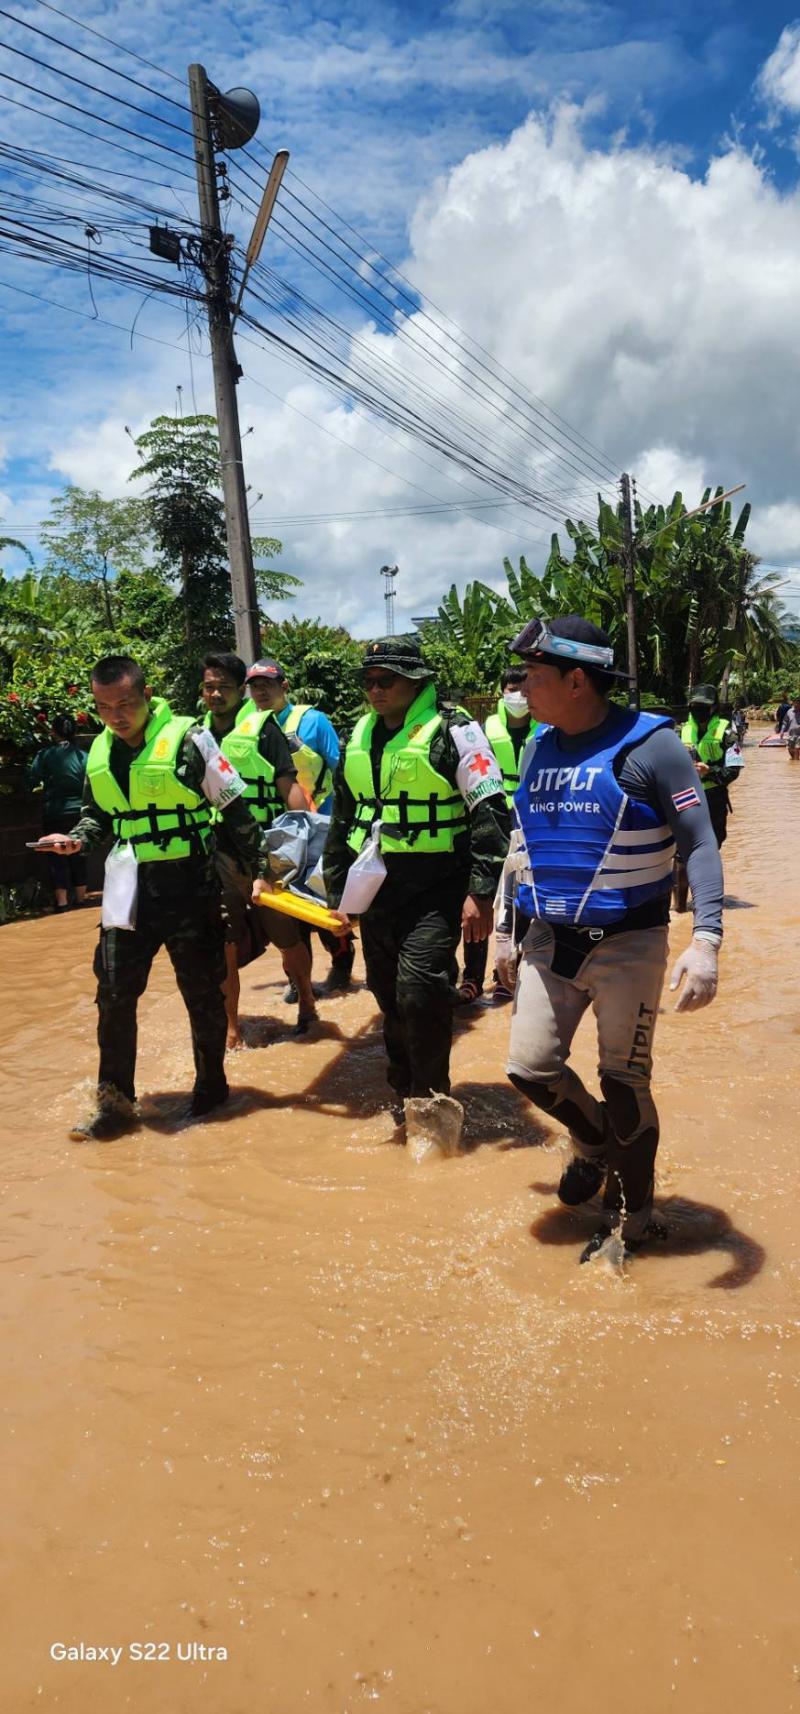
<point x="367" y="1427"/>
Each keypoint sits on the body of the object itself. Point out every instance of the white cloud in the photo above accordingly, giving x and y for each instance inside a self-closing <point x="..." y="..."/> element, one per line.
<point x="779" y="78"/>
<point x="653" y="310"/>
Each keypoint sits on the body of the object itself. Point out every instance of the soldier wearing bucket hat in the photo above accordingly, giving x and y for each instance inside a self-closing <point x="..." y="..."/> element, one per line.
<point x="605" y="797"/>
<point x="714" y="743"/>
<point x="425" y="772"/>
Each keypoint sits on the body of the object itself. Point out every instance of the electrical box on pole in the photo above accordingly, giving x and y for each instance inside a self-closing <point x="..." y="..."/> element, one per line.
<point x="216" y="267"/>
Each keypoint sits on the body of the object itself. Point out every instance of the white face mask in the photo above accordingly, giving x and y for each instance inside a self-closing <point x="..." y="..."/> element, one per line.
<point x="515" y="702"/>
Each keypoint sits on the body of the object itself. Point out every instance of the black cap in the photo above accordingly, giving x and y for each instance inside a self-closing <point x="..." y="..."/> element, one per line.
<point x="400" y="655"/>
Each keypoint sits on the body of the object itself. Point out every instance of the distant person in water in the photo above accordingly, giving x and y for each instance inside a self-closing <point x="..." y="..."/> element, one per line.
<point x="790" y="729"/>
<point x="60" y="769"/>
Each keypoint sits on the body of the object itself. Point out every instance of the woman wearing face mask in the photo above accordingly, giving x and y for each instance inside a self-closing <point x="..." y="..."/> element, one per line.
<point x="508" y="731"/>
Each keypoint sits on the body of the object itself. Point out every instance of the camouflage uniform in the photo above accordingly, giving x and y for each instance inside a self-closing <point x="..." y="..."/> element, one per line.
<point x="179" y="908"/>
<point x="411" y="931"/>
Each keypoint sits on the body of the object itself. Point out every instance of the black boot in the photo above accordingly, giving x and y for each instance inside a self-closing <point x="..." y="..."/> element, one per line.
<point x="580" y="1181"/>
<point x="113" y="1115"/>
<point x="204" y="1100"/>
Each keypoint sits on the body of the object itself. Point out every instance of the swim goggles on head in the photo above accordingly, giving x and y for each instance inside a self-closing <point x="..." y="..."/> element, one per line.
<point x="535" y="639"/>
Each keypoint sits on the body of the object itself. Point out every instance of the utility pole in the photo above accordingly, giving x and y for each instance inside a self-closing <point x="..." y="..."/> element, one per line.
<point x="630" y="588"/>
<point x="226" y="372"/>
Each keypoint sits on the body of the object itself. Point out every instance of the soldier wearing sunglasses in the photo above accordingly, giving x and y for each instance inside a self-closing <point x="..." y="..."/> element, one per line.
<point x="425" y="771"/>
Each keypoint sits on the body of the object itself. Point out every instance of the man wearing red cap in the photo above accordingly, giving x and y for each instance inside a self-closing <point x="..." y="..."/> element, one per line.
<point x="260" y="754"/>
<point x="314" y="746"/>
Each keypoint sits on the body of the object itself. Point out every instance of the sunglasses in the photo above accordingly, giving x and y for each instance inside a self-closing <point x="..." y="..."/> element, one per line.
<point x="380" y="681"/>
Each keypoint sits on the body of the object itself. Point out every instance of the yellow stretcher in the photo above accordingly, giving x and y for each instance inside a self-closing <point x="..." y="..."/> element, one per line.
<point x="307" y="910"/>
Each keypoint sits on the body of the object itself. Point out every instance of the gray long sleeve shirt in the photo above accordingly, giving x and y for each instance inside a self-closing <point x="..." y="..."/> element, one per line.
<point x="654" y="772"/>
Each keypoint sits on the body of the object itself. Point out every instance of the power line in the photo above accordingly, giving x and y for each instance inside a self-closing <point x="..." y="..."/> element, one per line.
<point x="100" y="119"/>
<point x="574" y="472"/>
<point x="362" y="371"/>
<point x="107" y="94"/>
<point x="92" y="59"/>
<point x="162" y="70"/>
<point x="418" y="301"/>
<point x="86" y="315"/>
<point x="566" y="433"/>
<point x="108" y="142"/>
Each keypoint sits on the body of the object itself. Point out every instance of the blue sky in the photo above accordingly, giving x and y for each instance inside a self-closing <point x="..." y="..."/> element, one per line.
<point x="515" y="160"/>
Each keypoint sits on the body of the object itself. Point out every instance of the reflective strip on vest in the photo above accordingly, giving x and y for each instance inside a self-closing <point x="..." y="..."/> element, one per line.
<point x="161" y="818"/>
<point x="420" y="810"/>
<point x="711" y="747"/>
<point x="313" y="771"/>
<point x="593" y="853"/>
<point x="241" y="748"/>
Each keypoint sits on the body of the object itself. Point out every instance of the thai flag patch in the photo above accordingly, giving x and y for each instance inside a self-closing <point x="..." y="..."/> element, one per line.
<point x="685" y="799"/>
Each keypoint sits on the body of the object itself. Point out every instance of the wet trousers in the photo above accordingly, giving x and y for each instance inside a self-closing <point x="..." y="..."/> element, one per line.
<point x="621" y="979"/>
<point x="191" y="929"/>
<point x="409" y="951"/>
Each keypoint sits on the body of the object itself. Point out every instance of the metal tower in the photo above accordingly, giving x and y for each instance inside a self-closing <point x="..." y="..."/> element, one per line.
<point x="389" y="573"/>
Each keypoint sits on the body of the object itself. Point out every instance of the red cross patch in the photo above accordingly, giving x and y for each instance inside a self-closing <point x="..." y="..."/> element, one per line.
<point x="480" y="765"/>
<point x="224" y="765"/>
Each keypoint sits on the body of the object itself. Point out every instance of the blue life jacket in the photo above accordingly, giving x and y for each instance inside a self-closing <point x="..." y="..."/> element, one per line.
<point x="591" y="852"/>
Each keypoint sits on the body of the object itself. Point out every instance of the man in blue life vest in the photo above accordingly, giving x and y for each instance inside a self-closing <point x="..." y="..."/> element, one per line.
<point x="155" y="781"/>
<point x="427" y="774"/>
<point x="262" y="758"/>
<point x="606" y="797"/>
<point x="314" y="745"/>
<point x="508" y="730"/>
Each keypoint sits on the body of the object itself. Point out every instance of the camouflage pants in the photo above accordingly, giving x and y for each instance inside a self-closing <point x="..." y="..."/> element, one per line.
<point x="190" y="926"/>
<point x="409" y="951"/>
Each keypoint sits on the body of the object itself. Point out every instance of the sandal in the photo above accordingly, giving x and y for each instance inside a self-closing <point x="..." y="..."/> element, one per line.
<point x="468" y="992"/>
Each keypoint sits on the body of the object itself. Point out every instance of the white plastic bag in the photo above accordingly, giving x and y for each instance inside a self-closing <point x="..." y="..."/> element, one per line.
<point x="366" y="876"/>
<point x="120" y="888"/>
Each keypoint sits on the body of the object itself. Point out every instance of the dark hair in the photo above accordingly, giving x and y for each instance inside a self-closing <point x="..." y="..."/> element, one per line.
<point x="513" y="675"/>
<point x="230" y="664"/>
<point x="114" y="667"/>
<point x="64" y="726"/>
<point x="602" y="682"/>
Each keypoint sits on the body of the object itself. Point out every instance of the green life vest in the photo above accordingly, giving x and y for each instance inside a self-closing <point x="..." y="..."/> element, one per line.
<point x="420" y="811"/>
<point x="502" y="743"/>
<point x="244" y="709"/>
<point x="711" y="747"/>
<point x="313" y="772"/>
<point x="162" y="819"/>
<point x="241" y="748"/>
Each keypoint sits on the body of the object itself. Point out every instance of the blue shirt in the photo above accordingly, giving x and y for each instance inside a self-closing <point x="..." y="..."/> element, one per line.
<point x="316" y="730"/>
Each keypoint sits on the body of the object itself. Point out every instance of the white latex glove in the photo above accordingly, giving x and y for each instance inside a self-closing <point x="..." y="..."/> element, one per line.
<point x="506" y="958"/>
<point x="698" y="964"/>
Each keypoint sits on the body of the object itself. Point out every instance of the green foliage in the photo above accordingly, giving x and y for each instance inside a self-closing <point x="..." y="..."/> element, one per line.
<point x="323" y="664"/>
<point x="91" y="540"/>
<point x="145" y="576"/>
<point x="704" y="612"/>
<point x="180" y="461"/>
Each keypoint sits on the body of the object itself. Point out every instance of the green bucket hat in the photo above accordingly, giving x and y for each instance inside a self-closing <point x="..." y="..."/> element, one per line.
<point x="401" y="655"/>
<point x="704" y="694"/>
